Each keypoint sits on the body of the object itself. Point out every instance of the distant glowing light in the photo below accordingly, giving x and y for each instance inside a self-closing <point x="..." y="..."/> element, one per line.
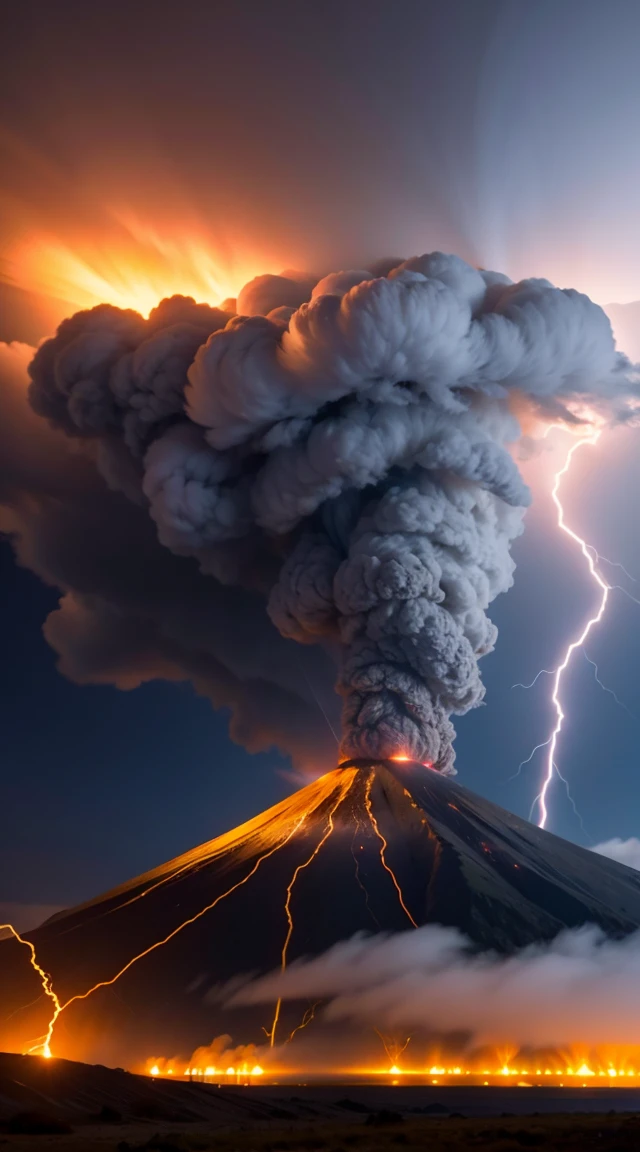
<point x="130" y="265"/>
<point x="394" y="1071"/>
<point x="155" y="1071"/>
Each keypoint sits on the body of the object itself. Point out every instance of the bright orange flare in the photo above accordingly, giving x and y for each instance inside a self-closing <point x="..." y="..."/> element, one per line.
<point x="38" y="1049"/>
<point x="384" y="846"/>
<point x="130" y="265"/>
<point x="344" y="787"/>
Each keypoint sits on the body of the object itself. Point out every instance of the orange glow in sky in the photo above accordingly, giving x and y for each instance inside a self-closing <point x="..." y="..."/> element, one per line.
<point x="133" y="269"/>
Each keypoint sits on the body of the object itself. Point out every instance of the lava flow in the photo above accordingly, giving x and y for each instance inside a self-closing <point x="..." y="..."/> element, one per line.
<point x="343" y="792"/>
<point x="325" y="789"/>
<point x="383" y="848"/>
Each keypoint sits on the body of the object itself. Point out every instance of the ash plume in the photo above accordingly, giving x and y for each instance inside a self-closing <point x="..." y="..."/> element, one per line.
<point x="337" y="453"/>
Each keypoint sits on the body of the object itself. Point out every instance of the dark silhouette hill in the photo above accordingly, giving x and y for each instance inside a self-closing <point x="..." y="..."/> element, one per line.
<point x="367" y="847"/>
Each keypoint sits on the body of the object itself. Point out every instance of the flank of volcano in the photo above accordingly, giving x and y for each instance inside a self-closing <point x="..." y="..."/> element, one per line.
<point x="369" y="847"/>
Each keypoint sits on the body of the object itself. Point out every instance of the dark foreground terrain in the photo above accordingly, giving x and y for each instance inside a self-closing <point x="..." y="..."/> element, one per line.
<point x="72" y="1107"/>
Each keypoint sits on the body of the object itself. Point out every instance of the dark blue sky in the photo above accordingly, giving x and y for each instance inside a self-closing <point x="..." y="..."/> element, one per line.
<point x="506" y="132"/>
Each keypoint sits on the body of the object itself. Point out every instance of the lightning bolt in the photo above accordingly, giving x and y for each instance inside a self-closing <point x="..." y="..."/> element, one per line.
<point x="590" y="556"/>
<point x="309" y="1015"/>
<point x="383" y="847"/>
<point x="393" y="1048"/>
<point x="44" y="1048"/>
<point x="344" y="789"/>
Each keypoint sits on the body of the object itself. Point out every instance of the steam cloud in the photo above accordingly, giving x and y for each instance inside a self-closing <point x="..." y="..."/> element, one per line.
<point x="337" y="451"/>
<point x="580" y="988"/>
<point x="624" y="851"/>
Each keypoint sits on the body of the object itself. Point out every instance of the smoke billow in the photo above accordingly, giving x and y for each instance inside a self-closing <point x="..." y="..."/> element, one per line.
<point x="337" y="452"/>
<point x="579" y="988"/>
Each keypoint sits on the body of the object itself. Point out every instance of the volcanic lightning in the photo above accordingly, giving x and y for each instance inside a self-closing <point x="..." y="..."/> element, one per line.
<point x="346" y="785"/>
<point x="44" y="1048"/>
<point x="589" y="554"/>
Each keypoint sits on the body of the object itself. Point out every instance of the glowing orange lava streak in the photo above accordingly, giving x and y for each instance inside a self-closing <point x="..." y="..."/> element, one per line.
<point x="159" y="943"/>
<point x="392" y="1047"/>
<point x="309" y="1015"/>
<point x="384" y="846"/>
<point x="561" y="669"/>
<point x="46" y="985"/>
<point x="287" y="905"/>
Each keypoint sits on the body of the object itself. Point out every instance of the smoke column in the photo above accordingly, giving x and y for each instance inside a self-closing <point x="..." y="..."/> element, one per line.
<point x="337" y="451"/>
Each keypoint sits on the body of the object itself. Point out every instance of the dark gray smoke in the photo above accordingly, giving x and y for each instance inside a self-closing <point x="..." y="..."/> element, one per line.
<point x="339" y="451"/>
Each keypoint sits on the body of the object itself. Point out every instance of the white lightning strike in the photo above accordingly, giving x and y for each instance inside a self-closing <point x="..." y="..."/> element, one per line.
<point x="590" y="555"/>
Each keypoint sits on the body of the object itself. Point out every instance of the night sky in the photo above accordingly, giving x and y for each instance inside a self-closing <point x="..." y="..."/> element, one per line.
<point x="317" y="135"/>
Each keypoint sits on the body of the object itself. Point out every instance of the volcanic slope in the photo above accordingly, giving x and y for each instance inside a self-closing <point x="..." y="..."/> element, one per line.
<point x="367" y="847"/>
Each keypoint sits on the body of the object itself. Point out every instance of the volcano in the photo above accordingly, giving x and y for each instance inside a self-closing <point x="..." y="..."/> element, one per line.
<point x="368" y="847"/>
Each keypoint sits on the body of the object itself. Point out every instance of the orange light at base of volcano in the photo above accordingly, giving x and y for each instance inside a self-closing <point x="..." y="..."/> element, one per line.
<point x="524" y="1074"/>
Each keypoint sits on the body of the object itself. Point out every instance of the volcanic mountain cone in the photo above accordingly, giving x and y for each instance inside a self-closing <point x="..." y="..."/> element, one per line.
<point x="368" y="847"/>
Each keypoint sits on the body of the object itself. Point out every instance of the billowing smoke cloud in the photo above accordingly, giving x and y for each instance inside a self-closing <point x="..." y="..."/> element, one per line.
<point x="130" y="610"/>
<point x="624" y="851"/>
<point x="337" y="451"/>
<point x="581" y="988"/>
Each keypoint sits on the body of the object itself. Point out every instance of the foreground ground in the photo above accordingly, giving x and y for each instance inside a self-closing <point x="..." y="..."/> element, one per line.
<point x="60" y="1106"/>
<point x="385" y="1133"/>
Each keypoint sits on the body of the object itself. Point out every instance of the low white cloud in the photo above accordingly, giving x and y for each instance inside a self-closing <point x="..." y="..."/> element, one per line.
<point x="580" y="988"/>
<point x="624" y="851"/>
